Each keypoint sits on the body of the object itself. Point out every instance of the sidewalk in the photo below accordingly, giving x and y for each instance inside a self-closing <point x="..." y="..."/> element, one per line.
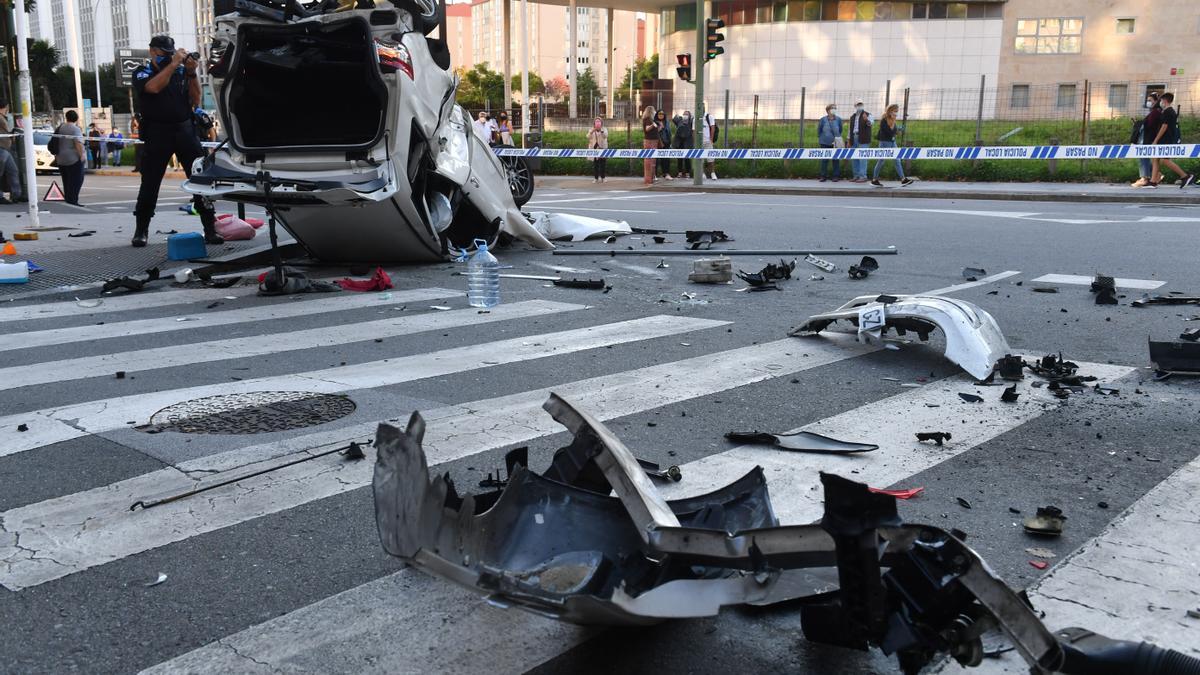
<point x="80" y="263"/>
<point x="1041" y="192"/>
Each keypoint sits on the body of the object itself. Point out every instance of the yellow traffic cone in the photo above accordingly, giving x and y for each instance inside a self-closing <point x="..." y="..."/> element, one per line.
<point x="8" y="249"/>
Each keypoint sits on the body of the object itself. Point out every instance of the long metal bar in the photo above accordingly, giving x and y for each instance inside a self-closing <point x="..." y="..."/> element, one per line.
<point x="720" y="252"/>
<point x="27" y="154"/>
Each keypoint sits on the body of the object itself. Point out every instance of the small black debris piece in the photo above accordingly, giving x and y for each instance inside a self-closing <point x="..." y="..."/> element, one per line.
<point x="887" y="299"/>
<point x="1175" y="358"/>
<point x="1147" y="300"/>
<point x="659" y="239"/>
<point x="354" y="451"/>
<point x="993" y="292"/>
<point x="1045" y="289"/>
<point x="1010" y="395"/>
<point x="800" y="441"/>
<point x="22" y="427"/>
<point x="1107" y="391"/>
<point x="120" y="374"/>
<point x="670" y="474"/>
<point x="128" y="283"/>
<point x="611" y="239"/>
<point x="973" y="273"/>
<point x="1105" y="288"/>
<point x="85" y="233"/>
<point x="1013" y="509"/>
<point x="864" y="268"/>
<point x="963" y="503"/>
<point x="970" y="398"/>
<point x="1058" y="369"/>
<point x="1011" y="367"/>
<point x="768" y="274"/>
<point x="938" y="437"/>
<point x="704" y="239"/>
<point x="1048" y="521"/>
<point x="590" y="284"/>
<point x="1191" y="335"/>
<point x="1103" y="505"/>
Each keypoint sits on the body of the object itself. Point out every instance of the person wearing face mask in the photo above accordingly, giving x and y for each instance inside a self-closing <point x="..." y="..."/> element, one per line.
<point x="860" y="137"/>
<point x="1168" y="134"/>
<point x="505" y="129"/>
<point x="168" y="92"/>
<point x="829" y="135"/>
<point x="1145" y="132"/>
<point x="663" y="165"/>
<point x="597" y="139"/>
<point x="8" y="166"/>
<point x="887" y="139"/>
<point x="683" y="140"/>
<point x="649" y="142"/>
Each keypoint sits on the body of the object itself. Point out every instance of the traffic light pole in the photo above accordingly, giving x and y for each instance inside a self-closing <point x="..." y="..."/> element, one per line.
<point x="698" y="80"/>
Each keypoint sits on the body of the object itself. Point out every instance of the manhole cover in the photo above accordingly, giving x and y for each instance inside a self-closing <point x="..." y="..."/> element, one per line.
<point x="256" y="412"/>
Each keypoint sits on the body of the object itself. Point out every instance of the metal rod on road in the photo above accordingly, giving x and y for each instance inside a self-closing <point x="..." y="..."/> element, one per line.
<point x="26" y="111"/>
<point x="891" y="250"/>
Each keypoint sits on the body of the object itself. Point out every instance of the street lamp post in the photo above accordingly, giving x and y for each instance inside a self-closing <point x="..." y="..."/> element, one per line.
<point x="95" y="56"/>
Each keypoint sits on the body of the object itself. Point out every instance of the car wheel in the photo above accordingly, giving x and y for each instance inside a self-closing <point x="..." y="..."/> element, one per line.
<point x="520" y="178"/>
<point x="426" y="14"/>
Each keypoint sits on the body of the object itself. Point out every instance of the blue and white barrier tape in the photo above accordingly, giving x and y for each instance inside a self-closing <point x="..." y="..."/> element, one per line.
<point x="1182" y="151"/>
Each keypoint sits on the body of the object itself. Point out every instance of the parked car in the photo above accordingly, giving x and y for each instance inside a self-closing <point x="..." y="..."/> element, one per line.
<point x="44" y="161"/>
<point x="385" y="167"/>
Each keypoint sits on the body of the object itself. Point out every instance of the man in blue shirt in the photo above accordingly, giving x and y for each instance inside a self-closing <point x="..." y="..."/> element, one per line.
<point x="829" y="132"/>
<point x="168" y="93"/>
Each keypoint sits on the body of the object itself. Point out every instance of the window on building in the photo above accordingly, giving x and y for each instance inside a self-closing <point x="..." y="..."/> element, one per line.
<point x="779" y="11"/>
<point x="956" y="10"/>
<point x="1066" y="95"/>
<point x="864" y="11"/>
<point x="1020" y="96"/>
<point x="1125" y="26"/>
<point x="685" y="17"/>
<point x="829" y="10"/>
<point x="920" y="10"/>
<point x="1118" y="96"/>
<point x="847" y="10"/>
<point x="763" y="11"/>
<point x="1049" y="36"/>
<point x="937" y="10"/>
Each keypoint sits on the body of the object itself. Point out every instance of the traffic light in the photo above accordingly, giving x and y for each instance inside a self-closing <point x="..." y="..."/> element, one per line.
<point x="714" y="39"/>
<point x="684" y="70"/>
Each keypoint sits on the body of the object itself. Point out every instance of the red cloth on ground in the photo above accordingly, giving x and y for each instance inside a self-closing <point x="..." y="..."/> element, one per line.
<point x="380" y="281"/>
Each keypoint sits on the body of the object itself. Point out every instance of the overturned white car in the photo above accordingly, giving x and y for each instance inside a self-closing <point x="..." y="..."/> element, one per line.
<point x="344" y="124"/>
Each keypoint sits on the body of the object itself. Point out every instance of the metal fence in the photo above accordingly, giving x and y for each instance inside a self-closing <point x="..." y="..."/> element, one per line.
<point x="1065" y="113"/>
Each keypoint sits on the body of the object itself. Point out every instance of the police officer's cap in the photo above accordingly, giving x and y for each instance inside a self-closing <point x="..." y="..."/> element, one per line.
<point x="163" y="42"/>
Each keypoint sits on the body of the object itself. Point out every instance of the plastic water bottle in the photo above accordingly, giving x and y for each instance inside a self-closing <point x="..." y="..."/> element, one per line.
<point x="483" y="277"/>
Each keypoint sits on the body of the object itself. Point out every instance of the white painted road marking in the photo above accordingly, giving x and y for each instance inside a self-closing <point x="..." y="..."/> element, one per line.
<point x="52" y="425"/>
<point x="119" y="303"/>
<point x="263" y="345"/>
<point x="972" y="284"/>
<point x="1079" y="280"/>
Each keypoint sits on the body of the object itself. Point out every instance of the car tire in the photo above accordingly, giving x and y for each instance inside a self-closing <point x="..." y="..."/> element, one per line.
<point x="424" y="20"/>
<point x="519" y="174"/>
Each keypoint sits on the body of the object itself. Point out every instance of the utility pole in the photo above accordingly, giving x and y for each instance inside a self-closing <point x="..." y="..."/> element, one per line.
<point x="73" y="53"/>
<point x="698" y="75"/>
<point x="26" y="111"/>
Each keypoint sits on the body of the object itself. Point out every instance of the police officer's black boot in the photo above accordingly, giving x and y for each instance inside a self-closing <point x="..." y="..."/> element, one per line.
<point x="208" y="219"/>
<point x="141" y="232"/>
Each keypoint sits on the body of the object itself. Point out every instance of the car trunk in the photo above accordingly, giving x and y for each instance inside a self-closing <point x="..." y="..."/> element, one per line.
<point x="305" y="86"/>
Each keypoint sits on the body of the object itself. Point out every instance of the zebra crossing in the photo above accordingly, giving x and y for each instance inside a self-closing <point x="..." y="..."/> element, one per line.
<point x="55" y="539"/>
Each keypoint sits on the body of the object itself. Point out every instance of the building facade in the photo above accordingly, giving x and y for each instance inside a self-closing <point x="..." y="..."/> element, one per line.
<point x="107" y="25"/>
<point x="459" y="36"/>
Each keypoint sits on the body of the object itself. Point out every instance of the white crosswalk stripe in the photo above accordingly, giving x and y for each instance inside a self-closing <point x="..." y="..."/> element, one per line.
<point x="346" y="624"/>
<point x="262" y="345"/>
<point x="121" y="303"/>
<point x="53" y="425"/>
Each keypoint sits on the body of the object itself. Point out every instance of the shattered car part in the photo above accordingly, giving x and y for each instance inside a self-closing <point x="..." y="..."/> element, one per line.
<point x="633" y="558"/>
<point x="570" y="227"/>
<point x="711" y="271"/>
<point x="891" y="250"/>
<point x="973" y="340"/>
<point x="801" y="441"/>
<point x="1049" y="521"/>
<point x="589" y="284"/>
<point x="704" y="239"/>
<point x="1175" y="358"/>
<point x="400" y="176"/>
<point x="1010" y="394"/>
<point x="1011" y="367"/>
<point x="820" y="263"/>
<point x="768" y="274"/>
<point x="1147" y="300"/>
<point x="938" y="437"/>
<point x="1191" y="335"/>
<point x="1059" y="371"/>
<point x="973" y="273"/>
<point x="864" y="268"/>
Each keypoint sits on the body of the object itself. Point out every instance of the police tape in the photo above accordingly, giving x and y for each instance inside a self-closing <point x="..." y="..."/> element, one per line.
<point x="107" y="140"/>
<point x="1177" y="151"/>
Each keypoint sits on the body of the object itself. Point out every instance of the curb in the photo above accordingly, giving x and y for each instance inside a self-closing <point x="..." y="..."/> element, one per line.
<point x="909" y="193"/>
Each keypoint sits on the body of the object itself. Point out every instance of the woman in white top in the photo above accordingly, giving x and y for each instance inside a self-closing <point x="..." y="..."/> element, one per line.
<point x="597" y="139"/>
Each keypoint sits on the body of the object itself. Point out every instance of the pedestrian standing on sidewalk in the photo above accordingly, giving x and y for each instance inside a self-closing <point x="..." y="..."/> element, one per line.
<point x="829" y="135"/>
<point x="8" y="165"/>
<point x="505" y="128"/>
<point x="1150" y="125"/>
<point x="1168" y="134"/>
<point x="683" y="141"/>
<point x="663" y="165"/>
<point x="116" y="142"/>
<point x="710" y="132"/>
<point x="860" y="137"/>
<point x="649" y="142"/>
<point x="597" y="139"/>
<point x="887" y="139"/>
<point x="94" y="136"/>
<point x="168" y="94"/>
<point x="71" y="157"/>
<point x="102" y="160"/>
<point x="135" y="133"/>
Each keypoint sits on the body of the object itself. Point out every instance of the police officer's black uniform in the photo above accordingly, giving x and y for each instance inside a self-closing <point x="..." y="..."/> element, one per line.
<point x="167" y="128"/>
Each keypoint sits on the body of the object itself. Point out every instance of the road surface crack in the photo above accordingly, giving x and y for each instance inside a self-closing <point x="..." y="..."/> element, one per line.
<point x="247" y="657"/>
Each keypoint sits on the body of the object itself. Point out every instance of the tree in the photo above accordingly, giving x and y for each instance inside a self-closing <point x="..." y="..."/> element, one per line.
<point x="480" y="87"/>
<point x="643" y="69"/>
<point x="587" y="88"/>
<point x="43" y="59"/>
<point x="536" y="85"/>
<point x="557" y="88"/>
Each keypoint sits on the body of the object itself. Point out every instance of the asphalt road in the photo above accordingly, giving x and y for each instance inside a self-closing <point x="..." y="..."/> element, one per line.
<point x="285" y="572"/>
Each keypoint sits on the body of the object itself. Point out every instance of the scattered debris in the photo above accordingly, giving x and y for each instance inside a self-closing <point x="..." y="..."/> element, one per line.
<point x="1059" y="371"/>
<point x="816" y="277"/>
<point x="1105" y="288"/>
<point x="589" y="284"/>
<point x="85" y="233"/>
<point x="379" y="281"/>
<point x="864" y="268"/>
<point x="14" y="273"/>
<point x="1041" y="552"/>
<point x="22" y="427"/>
<point x="120" y="374"/>
<point x="768" y="274"/>
<point x="1147" y="300"/>
<point x="938" y="437"/>
<point x="1010" y="395"/>
<point x="161" y="578"/>
<point x="662" y="264"/>
<point x="1107" y="391"/>
<point x="1048" y="521"/>
<point x="440" y="308"/>
<point x="1191" y="335"/>
<point x="1040" y="564"/>
<point x="1045" y="289"/>
<point x="971" y="398"/>
<point x="570" y="227"/>
<point x="963" y="502"/>
<point x="801" y="441"/>
<point x="973" y="273"/>
<point x="1011" y="367"/>
<point x="671" y="474"/>
<point x="704" y="239"/>
<point x="1175" y="358"/>
<point x="1102" y="505"/>
<point x="659" y="239"/>
<point x="973" y="340"/>
<point x="294" y="282"/>
<point x="711" y="271"/>
<point x="88" y="304"/>
<point x="899" y="494"/>
<point x="820" y="263"/>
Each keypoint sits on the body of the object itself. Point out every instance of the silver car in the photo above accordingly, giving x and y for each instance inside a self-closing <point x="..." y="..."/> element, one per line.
<point x="344" y="123"/>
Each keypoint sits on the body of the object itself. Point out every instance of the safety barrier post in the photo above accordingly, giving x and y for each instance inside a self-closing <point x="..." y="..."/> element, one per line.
<point x="1052" y="165"/>
<point x="754" y="135"/>
<point x="725" y="126"/>
<point x="803" y="95"/>
<point x="979" y="115"/>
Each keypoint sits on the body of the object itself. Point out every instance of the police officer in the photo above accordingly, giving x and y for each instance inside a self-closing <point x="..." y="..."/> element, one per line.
<point x="168" y="93"/>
